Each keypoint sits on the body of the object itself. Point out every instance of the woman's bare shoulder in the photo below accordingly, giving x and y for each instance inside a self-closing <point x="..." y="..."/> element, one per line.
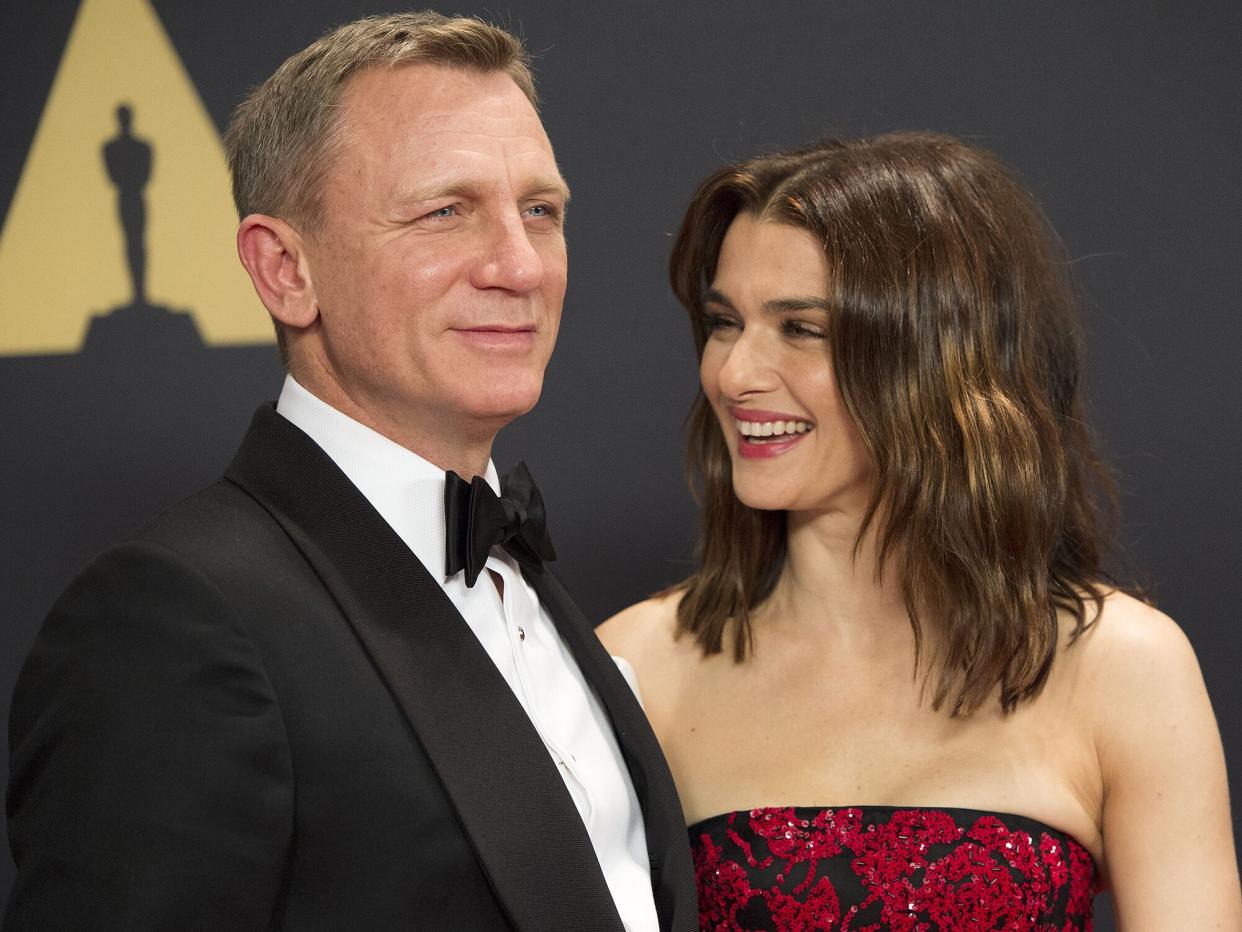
<point x="1130" y="639"/>
<point x="1162" y="770"/>
<point x="643" y="629"/>
<point x="1139" y="671"/>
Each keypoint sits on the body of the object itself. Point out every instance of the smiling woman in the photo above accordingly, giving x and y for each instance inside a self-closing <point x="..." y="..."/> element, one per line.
<point x="957" y="348"/>
<point x="766" y="325"/>
<point x="901" y="688"/>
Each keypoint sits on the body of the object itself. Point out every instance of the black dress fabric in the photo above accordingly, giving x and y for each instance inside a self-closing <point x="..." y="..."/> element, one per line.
<point x="868" y="868"/>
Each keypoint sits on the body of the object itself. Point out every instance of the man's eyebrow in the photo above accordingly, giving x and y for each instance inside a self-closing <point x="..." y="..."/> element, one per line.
<point x="550" y="186"/>
<point x="790" y="305"/>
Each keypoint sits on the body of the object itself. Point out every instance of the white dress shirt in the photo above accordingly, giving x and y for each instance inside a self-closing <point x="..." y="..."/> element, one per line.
<point x="517" y="634"/>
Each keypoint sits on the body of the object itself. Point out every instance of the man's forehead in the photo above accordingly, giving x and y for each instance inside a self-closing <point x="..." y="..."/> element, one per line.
<point x="436" y="95"/>
<point x="416" y="132"/>
<point x="434" y="108"/>
<point x="453" y="156"/>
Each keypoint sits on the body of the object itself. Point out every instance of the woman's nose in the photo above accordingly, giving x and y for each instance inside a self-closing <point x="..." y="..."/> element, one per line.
<point x="748" y="367"/>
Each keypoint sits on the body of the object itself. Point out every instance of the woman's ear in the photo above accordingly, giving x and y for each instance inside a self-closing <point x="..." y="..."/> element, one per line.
<point x="274" y="254"/>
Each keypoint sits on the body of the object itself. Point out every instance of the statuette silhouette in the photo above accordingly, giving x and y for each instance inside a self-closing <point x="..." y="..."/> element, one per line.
<point x="128" y="160"/>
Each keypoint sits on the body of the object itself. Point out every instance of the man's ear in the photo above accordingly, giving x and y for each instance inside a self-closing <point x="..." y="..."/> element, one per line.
<point x="274" y="254"/>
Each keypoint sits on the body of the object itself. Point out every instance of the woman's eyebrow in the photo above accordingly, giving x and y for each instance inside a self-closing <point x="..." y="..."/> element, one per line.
<point x="794" y="304"/>
<point x="790" y="305"/>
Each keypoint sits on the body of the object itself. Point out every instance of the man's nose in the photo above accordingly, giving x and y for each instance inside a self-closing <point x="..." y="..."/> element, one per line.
<point x="509" y="259"/>
<point x="750" y="367"/>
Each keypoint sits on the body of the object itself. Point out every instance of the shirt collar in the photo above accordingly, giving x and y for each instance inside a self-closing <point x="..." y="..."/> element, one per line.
<point x="404" y="488"/>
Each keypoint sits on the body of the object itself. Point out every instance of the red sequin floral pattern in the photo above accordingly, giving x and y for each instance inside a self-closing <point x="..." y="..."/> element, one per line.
<point x="864" y="869"/>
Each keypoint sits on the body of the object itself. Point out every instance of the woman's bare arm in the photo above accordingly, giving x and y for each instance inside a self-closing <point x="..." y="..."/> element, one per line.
<point x="1168" y="839"/>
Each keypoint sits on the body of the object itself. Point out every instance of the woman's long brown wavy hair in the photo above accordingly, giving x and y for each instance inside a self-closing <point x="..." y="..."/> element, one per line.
<point x="957" y="345"/>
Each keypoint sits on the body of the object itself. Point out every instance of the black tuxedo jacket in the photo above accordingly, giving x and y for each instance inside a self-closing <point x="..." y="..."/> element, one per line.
<point x="262" y="712"/>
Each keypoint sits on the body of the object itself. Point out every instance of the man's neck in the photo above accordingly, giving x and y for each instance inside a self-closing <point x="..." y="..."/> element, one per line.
<point x="465" y="453"/>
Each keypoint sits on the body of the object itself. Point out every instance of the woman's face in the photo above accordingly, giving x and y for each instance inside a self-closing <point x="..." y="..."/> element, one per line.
<point x="767" y="372"/>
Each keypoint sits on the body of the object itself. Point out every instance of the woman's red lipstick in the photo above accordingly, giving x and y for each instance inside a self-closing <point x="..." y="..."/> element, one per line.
<point x="767" y="434"/>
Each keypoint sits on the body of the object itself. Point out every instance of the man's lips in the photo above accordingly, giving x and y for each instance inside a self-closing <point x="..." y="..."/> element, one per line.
<point x="496" y="328"/>
<point x="498" y="336"/>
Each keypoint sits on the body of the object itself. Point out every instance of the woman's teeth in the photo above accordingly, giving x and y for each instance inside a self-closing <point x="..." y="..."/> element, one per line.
<point x="758" y="430"/>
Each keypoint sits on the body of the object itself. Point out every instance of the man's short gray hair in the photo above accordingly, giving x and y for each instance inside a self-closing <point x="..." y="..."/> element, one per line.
<point x="285" y="134"/>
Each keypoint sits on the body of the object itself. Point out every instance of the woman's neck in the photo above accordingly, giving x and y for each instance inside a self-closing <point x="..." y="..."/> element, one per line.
<point x="832" y="582"/>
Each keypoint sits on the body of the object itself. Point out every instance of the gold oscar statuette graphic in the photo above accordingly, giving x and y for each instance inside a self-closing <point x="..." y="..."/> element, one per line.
<point x="123" y="205"/>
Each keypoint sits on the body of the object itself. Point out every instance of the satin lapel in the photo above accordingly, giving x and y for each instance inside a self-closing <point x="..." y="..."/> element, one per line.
<point x="496" y="770"/>
<point x="672" y="873"/>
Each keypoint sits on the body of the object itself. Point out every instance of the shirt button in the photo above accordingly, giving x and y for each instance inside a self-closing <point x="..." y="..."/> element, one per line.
<point x="521" y="633"/>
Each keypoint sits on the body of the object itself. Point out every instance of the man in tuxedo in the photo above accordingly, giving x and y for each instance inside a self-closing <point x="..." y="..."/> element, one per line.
<point x="340" y="688"/>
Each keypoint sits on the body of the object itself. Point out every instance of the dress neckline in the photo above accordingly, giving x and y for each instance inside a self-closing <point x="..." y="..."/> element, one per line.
<point x="1007" y="817"/>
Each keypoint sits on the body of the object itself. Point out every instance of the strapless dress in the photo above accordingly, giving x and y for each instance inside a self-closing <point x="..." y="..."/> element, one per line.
<point x="868" y="868"/>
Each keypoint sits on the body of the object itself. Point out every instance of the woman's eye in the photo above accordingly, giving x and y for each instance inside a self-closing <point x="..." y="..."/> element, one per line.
<point x="802" y="329"/>
<point x="714" y="322"/>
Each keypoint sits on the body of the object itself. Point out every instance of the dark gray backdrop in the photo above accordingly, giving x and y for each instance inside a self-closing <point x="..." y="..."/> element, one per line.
<point x="1123" y="117"/>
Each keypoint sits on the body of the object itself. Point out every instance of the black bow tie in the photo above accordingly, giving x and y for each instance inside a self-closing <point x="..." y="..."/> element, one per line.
<point x="476" y="520"/>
